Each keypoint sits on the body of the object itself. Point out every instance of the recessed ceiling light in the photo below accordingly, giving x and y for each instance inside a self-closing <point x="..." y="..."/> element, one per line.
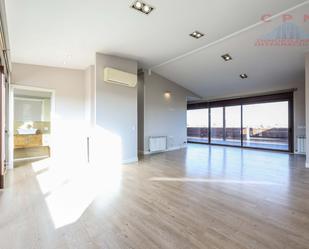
<point x="244" y="76"/>
<point x="227" y="57"/>
<point x="146" y="9"/>
<point x="197" y="34"/>
<point x="138" y="5"/>
<point x="142" y="7"/>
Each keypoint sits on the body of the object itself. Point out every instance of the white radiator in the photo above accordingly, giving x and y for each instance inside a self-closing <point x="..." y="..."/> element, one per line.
<point x="301" y="145"/>
<point x="157" y="144"/>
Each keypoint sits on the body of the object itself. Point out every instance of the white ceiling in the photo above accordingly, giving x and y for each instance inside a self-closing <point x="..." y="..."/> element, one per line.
<point x="268" y="68"/>
<point x="67" y="33"/>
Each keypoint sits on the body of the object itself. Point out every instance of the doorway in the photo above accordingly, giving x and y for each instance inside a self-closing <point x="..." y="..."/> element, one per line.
<point x="31" y="124"/>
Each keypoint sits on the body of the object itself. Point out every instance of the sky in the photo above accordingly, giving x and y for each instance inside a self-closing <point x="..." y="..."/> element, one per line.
<point x="266" y="115"/>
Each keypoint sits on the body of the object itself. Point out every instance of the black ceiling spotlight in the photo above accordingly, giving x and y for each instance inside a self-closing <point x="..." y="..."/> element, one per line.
<point x="197" y="35"/>
<point x="142" y="7"/>
<point x="244" y="76"/>
<point x="227" y="57"/>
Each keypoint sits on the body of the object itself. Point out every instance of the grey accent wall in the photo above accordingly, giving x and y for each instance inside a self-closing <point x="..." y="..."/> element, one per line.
<point x="116" y="110"/>
<point x="162" y="116"/>
<point x="140" y="111"/>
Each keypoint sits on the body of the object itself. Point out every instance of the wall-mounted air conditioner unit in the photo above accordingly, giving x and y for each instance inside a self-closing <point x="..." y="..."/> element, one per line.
<point x="115" y="76"/>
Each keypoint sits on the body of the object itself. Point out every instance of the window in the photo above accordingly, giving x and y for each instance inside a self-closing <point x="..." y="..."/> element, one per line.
<point x="266" y="125"/>
<point x="197" y="125"/>
<point x="256" y="122"/>
<point x="232" y="131"/>
<point x="216" y="117"/>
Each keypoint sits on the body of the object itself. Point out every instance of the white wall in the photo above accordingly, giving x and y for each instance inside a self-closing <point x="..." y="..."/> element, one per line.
<point x="90" y="94"/>
<point x="307" y="108"/>
<point x="299" y="112"/>
<point x="28" y="109"/>
<point x="163" y="116"/>
<point x="116" y="112"/>
<point x="68" y="123"/>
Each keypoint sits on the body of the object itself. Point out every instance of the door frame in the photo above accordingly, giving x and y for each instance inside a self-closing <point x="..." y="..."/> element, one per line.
<point x="13" y="87"/>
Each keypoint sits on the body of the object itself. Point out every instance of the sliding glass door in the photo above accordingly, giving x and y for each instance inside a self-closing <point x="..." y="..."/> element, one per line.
<point x="197" y="125"/>
<point x="226" y="125"/>
<point x="232" y="134"/>
<point x="266" y="125"/>
<point x="216" y="125"/>
<point x="263" y="122"/>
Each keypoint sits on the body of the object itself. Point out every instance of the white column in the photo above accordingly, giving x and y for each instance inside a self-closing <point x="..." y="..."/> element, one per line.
<point x="307" y="110"/>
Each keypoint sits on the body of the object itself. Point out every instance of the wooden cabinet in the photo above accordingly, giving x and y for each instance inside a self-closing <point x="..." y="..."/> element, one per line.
<point x="27" y="141"/>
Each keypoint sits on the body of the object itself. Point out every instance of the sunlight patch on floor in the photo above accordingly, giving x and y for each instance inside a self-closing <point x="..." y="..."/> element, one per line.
<point x="223" y="181"/>
<point x="70" y="187"/>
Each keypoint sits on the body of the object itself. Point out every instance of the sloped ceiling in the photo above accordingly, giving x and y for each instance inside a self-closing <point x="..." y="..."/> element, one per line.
<point x="67" y="33"/>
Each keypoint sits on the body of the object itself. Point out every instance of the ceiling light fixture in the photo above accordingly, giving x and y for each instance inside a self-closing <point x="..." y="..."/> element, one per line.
<point x="167" y="94"/>
<point x="142" y="7"/>
<point x="244" y="76"/>
<point x="138" y="5"/>
<point x="197" y="34"/>
<point x="146" y="9"/>
<point x="227" y="57"/>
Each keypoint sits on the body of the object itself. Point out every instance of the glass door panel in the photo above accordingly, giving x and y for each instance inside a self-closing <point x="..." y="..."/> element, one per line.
<point x="216" y="125"/>
<point x="266" y="125"/>
<point x="232" y="129"/>
<point x="197" y="125"/>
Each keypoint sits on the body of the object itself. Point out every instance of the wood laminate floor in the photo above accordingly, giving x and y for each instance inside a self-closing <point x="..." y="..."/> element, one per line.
<point x="199" y="197"/>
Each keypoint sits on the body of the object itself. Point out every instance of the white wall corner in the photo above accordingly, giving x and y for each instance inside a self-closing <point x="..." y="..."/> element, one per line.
<point x="307" y="165"/>
<point x="10" y="165"/>
<point x="130" y="160"/>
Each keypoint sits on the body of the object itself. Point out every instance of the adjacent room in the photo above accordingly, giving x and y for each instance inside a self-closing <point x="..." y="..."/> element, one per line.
<point x="132" y="124"/>
<point x="31" y="124"/>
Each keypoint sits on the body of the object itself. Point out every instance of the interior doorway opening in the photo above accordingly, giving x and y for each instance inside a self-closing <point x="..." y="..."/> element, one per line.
<point x="31" y="124"/>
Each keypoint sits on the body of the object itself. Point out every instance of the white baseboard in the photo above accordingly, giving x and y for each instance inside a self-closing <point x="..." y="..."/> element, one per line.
<point x="169" y="149"/>
<point x="177" y="148"/>
<point x="299" y="153"/>
<point x="130" y="160"/>
<point x="145" y="152"/>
